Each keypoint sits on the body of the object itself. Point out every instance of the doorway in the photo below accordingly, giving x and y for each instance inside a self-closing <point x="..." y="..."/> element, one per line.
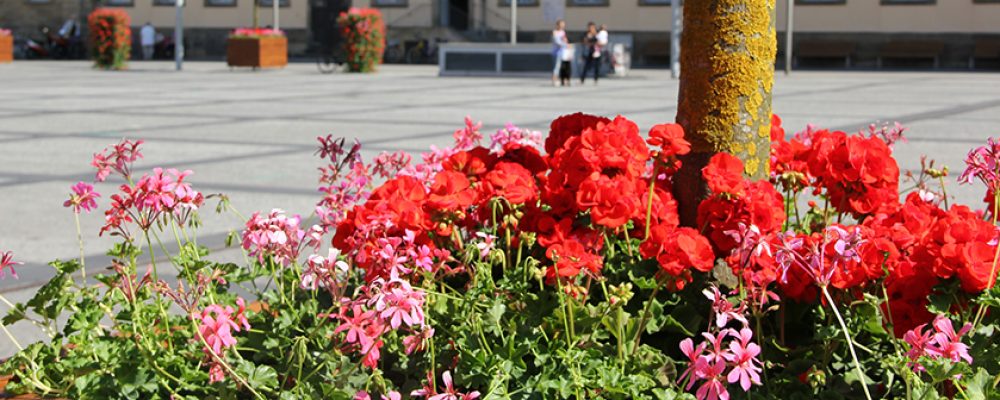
<point x="458" y="14"/>
<point x="323" y="24"/>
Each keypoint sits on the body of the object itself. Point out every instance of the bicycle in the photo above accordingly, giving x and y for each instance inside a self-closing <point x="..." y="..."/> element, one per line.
<point x="329" y="61"/>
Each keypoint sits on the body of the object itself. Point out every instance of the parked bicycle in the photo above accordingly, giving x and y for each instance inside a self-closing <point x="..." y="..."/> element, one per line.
<point x="330" y="60"/>
<point x="424" y="52"/>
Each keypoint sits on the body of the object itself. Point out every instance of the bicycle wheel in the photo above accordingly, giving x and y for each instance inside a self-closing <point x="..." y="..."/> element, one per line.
<point x="326" y="64"/>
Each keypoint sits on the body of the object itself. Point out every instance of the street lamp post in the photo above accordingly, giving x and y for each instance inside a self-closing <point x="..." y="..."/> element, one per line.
<point x="789" y="5"/>
<point x="179" y="35"/>
<point x="676" y="26"/>
<point x="274" y="8"/>
<point x="513" y="21"/>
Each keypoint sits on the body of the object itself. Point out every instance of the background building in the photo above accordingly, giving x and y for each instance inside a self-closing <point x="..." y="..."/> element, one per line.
<point x="854" y="33"/>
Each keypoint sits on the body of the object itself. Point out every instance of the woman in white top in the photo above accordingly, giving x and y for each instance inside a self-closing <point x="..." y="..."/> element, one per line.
<point x="559" y="42"/>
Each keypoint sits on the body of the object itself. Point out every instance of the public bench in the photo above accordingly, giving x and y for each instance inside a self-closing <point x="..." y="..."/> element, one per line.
<point x="985" y="49"/>
<point x="911" y="50"/>
<point x="825" y="49"/>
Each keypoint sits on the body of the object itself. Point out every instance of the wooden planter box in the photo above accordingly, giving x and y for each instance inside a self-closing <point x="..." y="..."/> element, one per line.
<point x="262" y="52"/>
<point x="6" y="49"/>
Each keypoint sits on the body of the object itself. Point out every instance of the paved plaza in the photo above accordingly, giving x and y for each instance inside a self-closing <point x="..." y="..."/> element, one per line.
<point x="252" y="134"/>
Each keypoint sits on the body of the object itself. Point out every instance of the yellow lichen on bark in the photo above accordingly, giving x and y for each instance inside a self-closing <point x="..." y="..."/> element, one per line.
<point x="727" y="66"/>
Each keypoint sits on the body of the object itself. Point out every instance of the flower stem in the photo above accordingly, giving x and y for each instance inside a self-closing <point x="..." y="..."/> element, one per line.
<point x="645" y="316"/>
<point x="850" y="343"/>
<point x="79" y="239"/>
<point x="649" y="204"/>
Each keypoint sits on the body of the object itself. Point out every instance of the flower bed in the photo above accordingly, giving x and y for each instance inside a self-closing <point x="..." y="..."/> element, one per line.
<point x="6" y="46"/>
<point x="539" y="267"/>
<point x="257" y="48"/>
<point x="364" y="38"/>
<point x="110" y="38"/>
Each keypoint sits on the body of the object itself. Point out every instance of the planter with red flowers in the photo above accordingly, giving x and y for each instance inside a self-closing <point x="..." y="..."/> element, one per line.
<point x="535" y="267"/>
<point x="364" y="38"/>
<point x="257" y="48"/>
<point x="6" y="46"/>
<point x="110" y="38"/>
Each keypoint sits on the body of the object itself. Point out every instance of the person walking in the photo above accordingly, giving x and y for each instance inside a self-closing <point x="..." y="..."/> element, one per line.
<point x="591" y="53"/>
<point x="147" y="37"/>
<point x="559" y="43"/>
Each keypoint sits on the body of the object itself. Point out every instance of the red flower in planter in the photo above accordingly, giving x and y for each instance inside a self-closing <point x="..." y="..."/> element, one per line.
<point x="678" y="250"/>
<point x="724" y="174"/>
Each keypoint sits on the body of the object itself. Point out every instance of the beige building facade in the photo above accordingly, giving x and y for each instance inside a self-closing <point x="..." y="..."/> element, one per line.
<point x="864" y="33"/>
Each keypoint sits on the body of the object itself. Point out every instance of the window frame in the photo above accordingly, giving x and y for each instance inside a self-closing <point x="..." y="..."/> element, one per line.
<point x="506" y="4"/>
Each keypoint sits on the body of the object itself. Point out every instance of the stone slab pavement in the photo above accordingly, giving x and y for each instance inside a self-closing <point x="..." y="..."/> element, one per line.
<point x="252" y="134"/>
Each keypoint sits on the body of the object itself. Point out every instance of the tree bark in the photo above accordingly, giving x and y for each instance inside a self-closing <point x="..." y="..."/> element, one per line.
<point x="727" y="71"/>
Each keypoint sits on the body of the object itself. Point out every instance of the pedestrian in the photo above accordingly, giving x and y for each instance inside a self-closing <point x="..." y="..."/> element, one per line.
<point x="559" y="43"/>
<point x="147" y="37"/>
<point x="566" y="56"/>
<point x="591" y="53"/>
<point x="602" y="39"/>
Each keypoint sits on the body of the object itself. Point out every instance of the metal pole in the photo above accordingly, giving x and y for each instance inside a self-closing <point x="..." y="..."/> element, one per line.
<point x="179" y="35"/>
<point x="789" y="4"/>
<point x="676" y="27"/>
<point x="275" y="4"/>
<point x="513" y="21"/>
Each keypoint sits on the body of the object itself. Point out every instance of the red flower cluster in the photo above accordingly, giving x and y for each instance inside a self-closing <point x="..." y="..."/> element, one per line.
<point x="920" y="245"/>
<point x="597" y="181"/>
<point x="735" y="200"/>
<point x="856" y="172"/>
<point x="110" y="37"/>
<point x="363" y="30"/>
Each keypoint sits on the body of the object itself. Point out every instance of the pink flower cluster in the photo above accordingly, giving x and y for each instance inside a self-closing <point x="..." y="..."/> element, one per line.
<point x="709" y="361"/>
<point x="513" y="137"/>
<point x="469" y="136"/>
<point x="449" y="393"/>
<point x="256" y="32"/>
<point x="5" y="32"/>
<point x="83" y="197"/>
<point x="118" y="158"/>
<point x="216" y="326"/>
<point x="7" y="262"/>
<point x="275" y="235"/>
<point x="940" y="342"/>
<point x="324" y="272"/>
<point x="382" y="307"/>
<point x="162" y="193"/>
<point x="812" y="258"/>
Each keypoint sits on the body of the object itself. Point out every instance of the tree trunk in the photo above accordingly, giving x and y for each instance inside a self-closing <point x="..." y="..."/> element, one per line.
<point x="727" y="70"/>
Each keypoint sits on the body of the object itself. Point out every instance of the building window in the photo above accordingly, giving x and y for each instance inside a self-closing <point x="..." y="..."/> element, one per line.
<point x="163" y="3"/>
<point x="819" y="2"/>
<point x="587" y="3"/>
<point x="520" y="3"/>
<point x="119" y="3"/>
<point x="390" y="3"/>
<point x="220" y="3"/>
<point x="39" y="1"/>
<point x="896" y="2"/>
<point x="270" y="3"/>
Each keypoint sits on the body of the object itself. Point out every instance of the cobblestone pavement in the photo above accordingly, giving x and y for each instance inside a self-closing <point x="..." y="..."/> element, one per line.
<point x="251" y="134"/>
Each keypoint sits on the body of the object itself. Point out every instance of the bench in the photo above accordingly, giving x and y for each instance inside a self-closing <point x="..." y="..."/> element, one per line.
<point x="985" y="49"/>
<point x="911" y="49"/>
<point x="825" y="49"/>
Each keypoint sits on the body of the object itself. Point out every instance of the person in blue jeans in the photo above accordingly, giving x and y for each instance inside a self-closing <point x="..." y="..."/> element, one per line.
<point x="559" y="42"/>
<point x="591" y="53"/>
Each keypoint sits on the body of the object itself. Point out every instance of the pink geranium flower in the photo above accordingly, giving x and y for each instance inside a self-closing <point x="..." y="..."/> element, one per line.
<point x="449" y="392"/>
<point x="941" y="342"/>
<point x="216" y="327"/>
<point x="118" y="158"/>
<point x="7" y="262"/>
<point x="743" y="355"/>
<point x="82" y="198"/>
